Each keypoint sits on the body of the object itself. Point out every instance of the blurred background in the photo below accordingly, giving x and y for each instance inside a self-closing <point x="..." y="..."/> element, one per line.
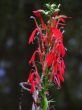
<point x="15" y="29"/>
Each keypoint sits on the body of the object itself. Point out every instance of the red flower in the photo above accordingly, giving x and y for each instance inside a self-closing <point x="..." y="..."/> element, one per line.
<point x="57" y="33"/>
<point x="31" y="61"/>
<point x="38" y="14"/>
<point x="62" y="18"/>
<point x="50" y="50"/>
<point x="59" y="79"/>
<point x="31" y="39"/>
<point x="38" y="51"/>
<point x="61" y="49"/>
<point x="57" y="72"/>
<point x="34" y="81"/>
<point x="49" y="59"/>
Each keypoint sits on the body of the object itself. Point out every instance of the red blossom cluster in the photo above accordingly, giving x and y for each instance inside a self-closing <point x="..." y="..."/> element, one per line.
<point x="50" y="50"/>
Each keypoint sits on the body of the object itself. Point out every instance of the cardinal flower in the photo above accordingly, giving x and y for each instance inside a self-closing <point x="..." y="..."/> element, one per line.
<point x="56" y="32"/>
<point x="61" y="49"/>
<point x="34" y="81"/>
<point x="50" y="58"/>
<point x="31" y="39"/>
<point x="38" y="14"/>
<point x="31" y="61"/>
<point x="47" y="60"/>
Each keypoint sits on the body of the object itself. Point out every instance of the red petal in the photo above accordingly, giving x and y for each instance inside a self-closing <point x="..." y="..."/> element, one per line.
<point x="62" y="19"/>
<point x="61" y="24"/>
<point x="62" y="50"/>
<point x="37" y="77"/>
<point x="30" y="78"/>
<point x="33" y="80"/>
<point x="61" y="77"/>
<point x="63" y="64"/>
<point x="37" y="13"/>
<point x="32" y="58"/>
<point x="31" y="39"/>
<point x="49" y="59"/>
<point x="56" y="32"/>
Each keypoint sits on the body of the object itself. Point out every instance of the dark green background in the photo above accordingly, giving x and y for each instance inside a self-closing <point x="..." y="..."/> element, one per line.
<point x="15" y="29"/>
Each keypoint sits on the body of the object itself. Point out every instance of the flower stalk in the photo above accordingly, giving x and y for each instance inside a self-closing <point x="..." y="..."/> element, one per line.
<point x="47" y="60"/>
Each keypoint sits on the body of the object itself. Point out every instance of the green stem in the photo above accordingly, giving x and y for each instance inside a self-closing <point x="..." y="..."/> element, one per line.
<point x="44" y="103"/>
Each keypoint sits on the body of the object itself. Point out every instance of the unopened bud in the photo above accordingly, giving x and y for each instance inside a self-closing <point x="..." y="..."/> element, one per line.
<point x="56" y="10"/>
<point x="59" y="5"/>
<point x="53" y="5"/>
